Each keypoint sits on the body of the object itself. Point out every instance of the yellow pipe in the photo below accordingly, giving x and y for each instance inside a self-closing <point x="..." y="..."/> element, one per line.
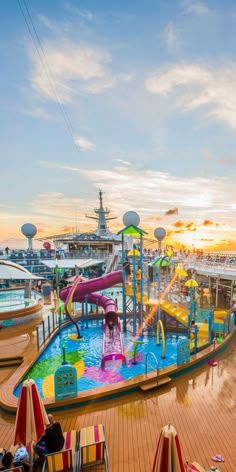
<point x="160" y="325"/>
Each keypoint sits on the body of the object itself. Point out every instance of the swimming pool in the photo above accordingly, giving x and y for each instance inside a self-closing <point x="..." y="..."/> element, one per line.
<point x="11" y="300"/>
<point x="86" y="354"/>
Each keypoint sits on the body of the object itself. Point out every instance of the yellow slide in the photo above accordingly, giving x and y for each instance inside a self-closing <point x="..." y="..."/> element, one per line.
<point x="179" y="313"/>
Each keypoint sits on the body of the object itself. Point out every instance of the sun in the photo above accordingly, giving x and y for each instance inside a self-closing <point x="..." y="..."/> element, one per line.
<point x="199" y="239"/>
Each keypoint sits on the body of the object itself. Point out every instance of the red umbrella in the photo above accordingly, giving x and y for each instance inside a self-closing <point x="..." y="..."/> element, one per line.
<point x="31" y="416"/>
<point x="168" y="457"/>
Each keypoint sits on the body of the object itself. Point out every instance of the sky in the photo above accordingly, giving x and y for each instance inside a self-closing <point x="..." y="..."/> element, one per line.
<point x="136" y="98"/>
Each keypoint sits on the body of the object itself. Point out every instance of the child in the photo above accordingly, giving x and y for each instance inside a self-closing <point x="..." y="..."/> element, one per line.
<point x="111" y="328"/>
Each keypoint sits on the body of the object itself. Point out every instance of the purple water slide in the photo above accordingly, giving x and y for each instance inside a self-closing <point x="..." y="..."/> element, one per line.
<point x="112" y="345"/>
<point x="112" y="348"/>
<point x="93" y="285"/>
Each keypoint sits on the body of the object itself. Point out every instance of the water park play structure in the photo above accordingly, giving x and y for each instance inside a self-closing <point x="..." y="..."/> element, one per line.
<point x="147" y="307"/>
<point x="145" y="312"/>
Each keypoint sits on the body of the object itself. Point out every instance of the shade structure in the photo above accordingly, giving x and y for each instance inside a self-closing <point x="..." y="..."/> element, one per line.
<point x="181" y="272"/>
<point x="11" y="271"/>
<point x="161" y="262"/>
<point x="191" y="283"/>
<point x="168" y="457"/>
<point x="31" y="416"/>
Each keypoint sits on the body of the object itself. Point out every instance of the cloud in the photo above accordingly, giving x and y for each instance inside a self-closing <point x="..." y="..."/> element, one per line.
<point x="126" y="163"/>
<point x="191" y="226"/>
<point x="206" y="239"/>
<point x="207" y="223"/>
<point x="196" y="8"/>
<point x="66" y="229"/>
<point x="149" y="192"/>
<point x="67" y="69"/>
<point x="170" y="36"/>
<point x="195" y="86"/>
<point x="208" y="155"/>
<point x="84" y="14"/>
<point x="84" y="143"/>
<point x="179" y="224"/>
<point x="229" y="161"/>
<point x="36" y="112"/>
<point x="173" y="211"/>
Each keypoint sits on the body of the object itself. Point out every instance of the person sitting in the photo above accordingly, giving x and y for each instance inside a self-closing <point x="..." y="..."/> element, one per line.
<point x="52" y="440"/>
<point x="8" y="462"/>
<point x="21" y="457"/>
<point x="111" y="327"/>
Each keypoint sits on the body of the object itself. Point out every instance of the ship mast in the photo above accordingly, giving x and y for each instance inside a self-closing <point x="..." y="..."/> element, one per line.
<point x="101" y="218"/>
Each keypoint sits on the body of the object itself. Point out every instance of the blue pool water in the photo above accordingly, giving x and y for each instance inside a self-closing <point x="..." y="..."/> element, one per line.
<point x="89" y="351"/>
<point x="15" y="299"/>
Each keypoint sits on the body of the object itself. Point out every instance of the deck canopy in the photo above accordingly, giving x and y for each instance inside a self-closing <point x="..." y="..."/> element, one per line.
<point x="71" y="263"/>
<point x="11" y="271"/>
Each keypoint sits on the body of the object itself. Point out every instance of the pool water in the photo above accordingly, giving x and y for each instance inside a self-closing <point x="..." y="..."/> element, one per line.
<point x="15" y="300"/>
<point x="86" y="354"/>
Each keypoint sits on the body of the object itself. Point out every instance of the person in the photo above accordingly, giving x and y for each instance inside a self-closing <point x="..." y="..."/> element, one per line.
<point x="111" y="327"/>
<point x="192" y="330"/>
<point x="8" y="462"/>
<point x="7" y="250"/>
<point x="127" y="269"/>
<point x="21" y="454"/>
<point x="52" y="440"/>
<point x="138" y="275"/>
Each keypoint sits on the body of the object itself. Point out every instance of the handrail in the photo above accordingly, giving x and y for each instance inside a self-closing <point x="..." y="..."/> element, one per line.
<point x="160" y="325"/>
<point x="146" y="363"/>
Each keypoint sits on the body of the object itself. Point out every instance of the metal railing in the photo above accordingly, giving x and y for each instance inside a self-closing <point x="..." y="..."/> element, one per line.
<point x="48" y="326"/>
<point x="149" y="365"/>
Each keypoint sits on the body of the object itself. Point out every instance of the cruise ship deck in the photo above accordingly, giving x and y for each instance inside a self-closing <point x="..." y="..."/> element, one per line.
<point x="200" y="404"/>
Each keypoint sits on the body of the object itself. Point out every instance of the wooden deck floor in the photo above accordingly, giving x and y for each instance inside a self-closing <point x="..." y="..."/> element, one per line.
<point x="201" y="405"/>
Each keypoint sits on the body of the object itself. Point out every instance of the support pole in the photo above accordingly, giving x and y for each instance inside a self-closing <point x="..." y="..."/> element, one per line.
<point x="134" y="296"/>
<point x="141" y="283"/>
<point x="123" y="285"/>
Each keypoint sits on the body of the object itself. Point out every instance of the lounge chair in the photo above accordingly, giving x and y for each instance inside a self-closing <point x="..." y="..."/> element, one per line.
<point x="93" y="447"/>
<point x="195" y="467"/>
<point x="58" y="461"/>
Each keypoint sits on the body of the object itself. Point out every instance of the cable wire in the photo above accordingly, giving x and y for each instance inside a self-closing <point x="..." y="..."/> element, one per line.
<point x="43" y="59"/>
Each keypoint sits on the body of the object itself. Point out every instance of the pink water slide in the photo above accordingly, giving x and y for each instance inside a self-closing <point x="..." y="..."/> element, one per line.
<point x="112" y="348"/>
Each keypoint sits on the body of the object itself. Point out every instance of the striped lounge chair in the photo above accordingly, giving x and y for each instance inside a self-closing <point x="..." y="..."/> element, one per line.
<point x="58" y="461"/>
<point x="195" y="467"/>
<point x="71" y="442"/>
<point x="92" y="447"/>
<point x="67" y="458"/>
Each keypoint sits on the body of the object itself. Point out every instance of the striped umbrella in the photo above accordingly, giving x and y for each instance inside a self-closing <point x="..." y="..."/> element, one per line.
<point x="168" y="457"/>
<point x="31" y="416"/>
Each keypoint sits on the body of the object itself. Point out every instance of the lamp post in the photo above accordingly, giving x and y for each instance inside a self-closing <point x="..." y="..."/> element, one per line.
<point x="134" y="253"/>
<point x="191" y="283"/>
<point x="160" y="234"/>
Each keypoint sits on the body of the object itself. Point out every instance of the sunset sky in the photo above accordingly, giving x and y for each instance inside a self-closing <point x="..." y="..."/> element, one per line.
<point x="137" y="98"/>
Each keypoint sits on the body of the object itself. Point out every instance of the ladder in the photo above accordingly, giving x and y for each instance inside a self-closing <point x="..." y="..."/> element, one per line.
<point x="156" y="382"/>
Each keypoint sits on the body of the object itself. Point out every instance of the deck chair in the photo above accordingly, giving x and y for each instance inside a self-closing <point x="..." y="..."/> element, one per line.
<point x="58" y="461"/>
<point x="93" y="448"/>
<point x="194" y="467"/>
